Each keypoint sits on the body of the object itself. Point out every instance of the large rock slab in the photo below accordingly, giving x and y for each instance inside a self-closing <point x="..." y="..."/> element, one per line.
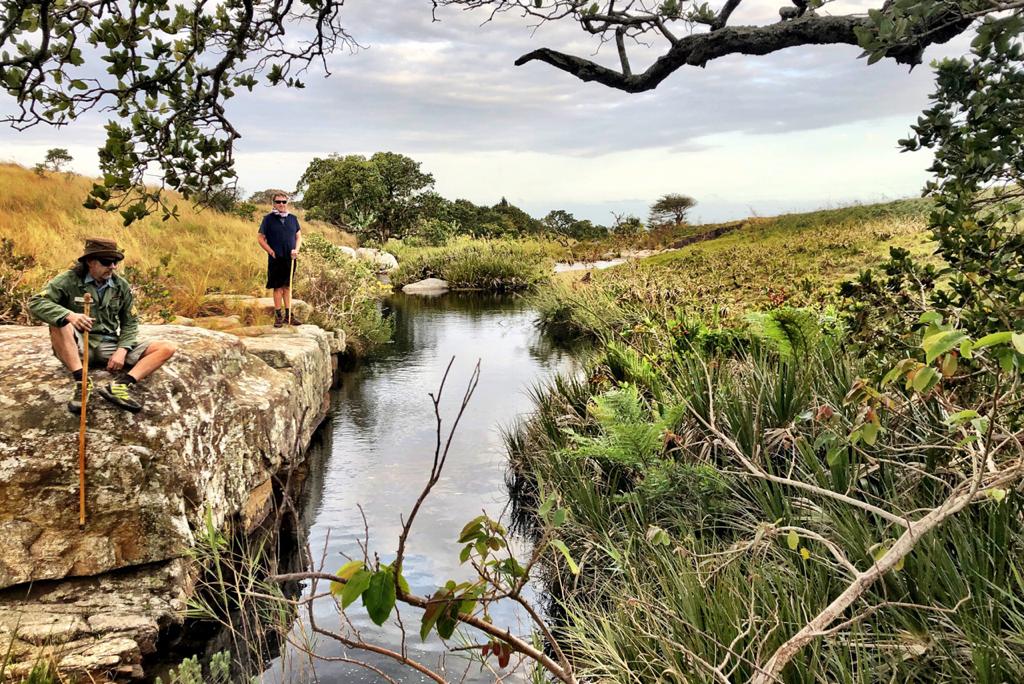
<point x="219" y="421"/>
<point x="382" y="261"/>
<point x="427" y="286"/>
<point x="249" y="308"/>
<point x="92" y="628"/>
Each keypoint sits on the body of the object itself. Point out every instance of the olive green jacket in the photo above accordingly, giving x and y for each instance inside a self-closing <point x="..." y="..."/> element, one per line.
<point x="113" y="316"/>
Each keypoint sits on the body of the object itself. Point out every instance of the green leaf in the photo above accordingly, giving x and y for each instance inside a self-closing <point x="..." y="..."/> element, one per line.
<point x="546" y="507"/>
<point x="997" y="494"/>
<point x="925" y="379"/>
<point x="558" y="519"/>
<point x="792" y="540"/>
<point x="941" y="342"/>
<point x="434" y="608"/>
<point x="993" y="339"/>
<point x="448" y="620"/>
<point x="379" y="597"/>
<point x="805" y="553"/>
<point x="560" y="545"/>
<point x="1018" y="342"/>
<point x="347" y="571"/>
<point x="949" y="365"/>
<point x="472" y="529"/>
<point x="355" y="587"/>
<point x="962" y="417"/>
<point x="869" y="433"/>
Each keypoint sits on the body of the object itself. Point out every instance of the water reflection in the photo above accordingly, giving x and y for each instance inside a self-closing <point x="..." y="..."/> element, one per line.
<point x="382" y="435"/>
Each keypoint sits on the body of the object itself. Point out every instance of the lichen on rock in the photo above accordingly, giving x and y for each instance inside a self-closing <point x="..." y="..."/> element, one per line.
<point x="221" y="418"/>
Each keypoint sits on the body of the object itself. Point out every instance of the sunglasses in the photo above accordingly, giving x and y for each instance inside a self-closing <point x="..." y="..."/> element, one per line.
<point x="280" y="201"/>
<point x="109" y="262"/>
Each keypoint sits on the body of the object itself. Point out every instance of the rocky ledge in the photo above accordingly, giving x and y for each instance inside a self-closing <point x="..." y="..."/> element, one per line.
<point x="221" y="418"/>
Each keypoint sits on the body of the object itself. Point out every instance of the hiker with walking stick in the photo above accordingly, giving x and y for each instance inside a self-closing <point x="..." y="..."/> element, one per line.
<point x="280" y="237"/>
<point x="112" y="326"/>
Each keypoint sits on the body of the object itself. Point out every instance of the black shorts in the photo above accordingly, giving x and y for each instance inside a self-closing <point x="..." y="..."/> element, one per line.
<point x="279" y="271"/>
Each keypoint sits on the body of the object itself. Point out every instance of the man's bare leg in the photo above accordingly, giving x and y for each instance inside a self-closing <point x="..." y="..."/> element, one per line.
<point x="278" y="297"/>
<point x="65" y="347"/>
<point x="156" y="355"/>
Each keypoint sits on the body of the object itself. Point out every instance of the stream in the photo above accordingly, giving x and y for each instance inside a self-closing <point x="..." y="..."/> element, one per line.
<point x="380" y="438"/>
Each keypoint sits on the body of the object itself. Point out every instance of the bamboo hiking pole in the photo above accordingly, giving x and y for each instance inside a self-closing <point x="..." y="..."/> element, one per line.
<point x="291" y="276"/>
<point x="81" y="422"/>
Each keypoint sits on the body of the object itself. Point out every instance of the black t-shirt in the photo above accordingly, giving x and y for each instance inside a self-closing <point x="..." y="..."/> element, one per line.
<point x="280" y="232"/>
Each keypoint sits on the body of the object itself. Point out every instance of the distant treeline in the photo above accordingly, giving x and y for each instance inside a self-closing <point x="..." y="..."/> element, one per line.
<point x="388" y="196"/>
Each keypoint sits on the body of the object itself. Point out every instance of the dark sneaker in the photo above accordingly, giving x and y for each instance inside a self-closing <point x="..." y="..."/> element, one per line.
<point x="75" y="403"/>
<point x="278" y="319"/>
<point x="120" y="394"/>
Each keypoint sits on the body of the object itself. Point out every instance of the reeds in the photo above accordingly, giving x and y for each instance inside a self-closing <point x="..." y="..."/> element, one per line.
<point x="695" y="571"/>
<point x="493" y="265"/>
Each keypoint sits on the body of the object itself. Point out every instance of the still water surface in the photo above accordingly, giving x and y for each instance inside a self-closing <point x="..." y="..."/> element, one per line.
<point x="381" y="435"/>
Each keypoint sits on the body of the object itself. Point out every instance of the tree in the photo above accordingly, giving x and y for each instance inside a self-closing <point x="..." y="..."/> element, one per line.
<point x="379" y="198"/>
<point x="562" y="223"/>
<point x="170" y="68"/>
<point x="403" y="184"/>
<point x="626" y="225"/>
<point x="263" y="198"/>
<point x="711" y="37"/>
<point x="56" y="158"/>
<point x="671" y="208"/>
<point x="973" y="126"/>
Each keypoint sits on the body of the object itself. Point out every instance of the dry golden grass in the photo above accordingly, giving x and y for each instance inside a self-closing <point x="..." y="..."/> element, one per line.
<point x="205" y="250"/>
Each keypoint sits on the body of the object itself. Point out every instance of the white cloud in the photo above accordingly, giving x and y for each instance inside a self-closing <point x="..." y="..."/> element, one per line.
<point x="742" y="131"/>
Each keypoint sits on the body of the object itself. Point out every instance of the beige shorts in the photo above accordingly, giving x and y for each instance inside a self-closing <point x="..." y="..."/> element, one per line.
<point x="102" y="352"/>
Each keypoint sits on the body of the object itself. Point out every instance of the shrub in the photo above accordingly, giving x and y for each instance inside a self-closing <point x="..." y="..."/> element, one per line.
<point x="344" y="293"/>
<point x="14" y="290"/>
<point x="152" y="289"/>
<point x="499" y="265"/>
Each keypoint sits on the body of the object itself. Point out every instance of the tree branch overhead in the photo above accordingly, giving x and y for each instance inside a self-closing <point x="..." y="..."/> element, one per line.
<point x="799" y="26"/>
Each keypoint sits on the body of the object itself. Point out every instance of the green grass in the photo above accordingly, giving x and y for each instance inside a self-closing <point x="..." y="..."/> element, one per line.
<point x="474" y="264"/>
<point x="695" y="569"/>
<point x="687" y="562"/>
<point x="793" y="260"/>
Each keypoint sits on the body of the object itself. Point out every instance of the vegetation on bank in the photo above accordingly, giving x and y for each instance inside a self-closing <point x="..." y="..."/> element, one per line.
<point x="790" y="260"/>
<point x="477" y="264"/>
<point x="802" y="497"/>
<point x="722" y="492"/>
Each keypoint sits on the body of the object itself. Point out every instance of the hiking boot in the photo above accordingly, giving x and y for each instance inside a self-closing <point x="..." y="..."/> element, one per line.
<point x="75" y="403"/>
<point x="120" y="394"/>
<point x="278" y="318"/>
<point x="294" y="320"/>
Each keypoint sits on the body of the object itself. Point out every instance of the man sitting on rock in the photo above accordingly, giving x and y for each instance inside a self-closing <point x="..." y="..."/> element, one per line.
<point x="113" y="326"/>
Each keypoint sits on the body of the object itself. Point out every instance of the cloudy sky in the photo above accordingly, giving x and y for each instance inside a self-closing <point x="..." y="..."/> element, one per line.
<point x="803" y="128"/>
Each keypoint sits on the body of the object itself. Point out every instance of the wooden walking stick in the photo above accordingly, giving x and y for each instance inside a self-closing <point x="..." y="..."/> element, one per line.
<point x="81" y="422"/>
<point x="291" y="276"/>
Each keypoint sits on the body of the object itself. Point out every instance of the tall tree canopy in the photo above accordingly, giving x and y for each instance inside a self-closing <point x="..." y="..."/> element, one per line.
<point x="671" y="208"/>
<point x="378" y="198"/>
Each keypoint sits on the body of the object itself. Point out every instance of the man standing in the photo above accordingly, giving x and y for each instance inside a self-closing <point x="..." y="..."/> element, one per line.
<point x="280" y="238"/>
<point x="113" y="326"/>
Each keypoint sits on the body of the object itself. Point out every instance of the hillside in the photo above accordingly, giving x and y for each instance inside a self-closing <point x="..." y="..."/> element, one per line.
<point x="794" y="259"/>
<point x="203" y="251"/>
